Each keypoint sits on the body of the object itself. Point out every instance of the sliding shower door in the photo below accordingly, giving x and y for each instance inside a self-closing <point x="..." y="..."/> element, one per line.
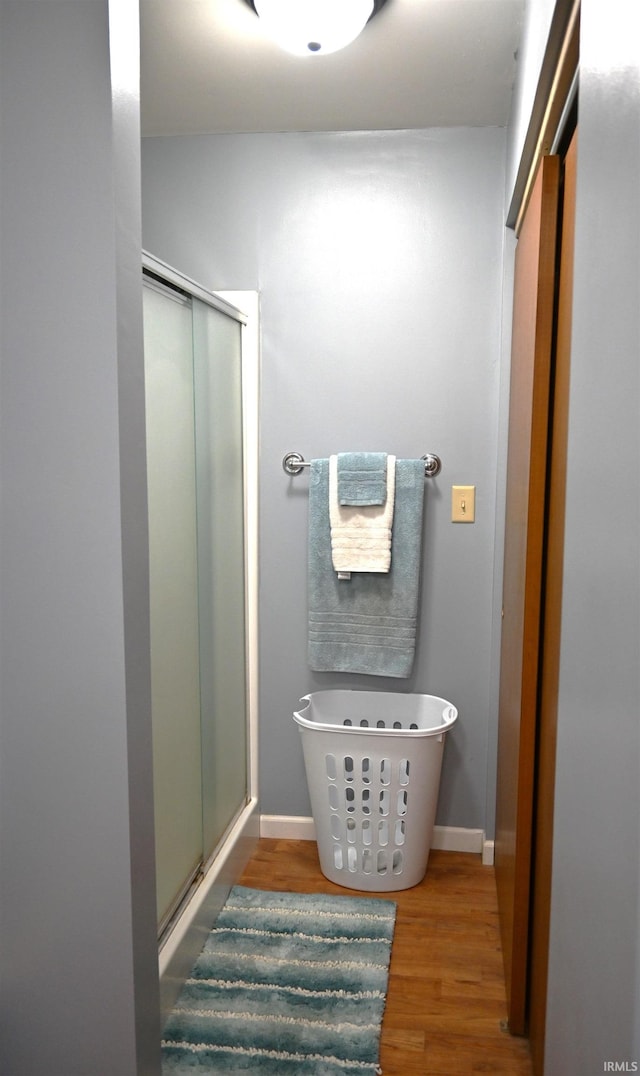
<point x="193" y="382"/>
<point x="221" y="583"/>
<point x="175" y="662"/>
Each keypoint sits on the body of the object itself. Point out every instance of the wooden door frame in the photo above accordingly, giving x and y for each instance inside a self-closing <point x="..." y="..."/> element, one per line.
<point x="552" y="612"/>
<point x="555" y="97"/>
<point x="532" y="346"/>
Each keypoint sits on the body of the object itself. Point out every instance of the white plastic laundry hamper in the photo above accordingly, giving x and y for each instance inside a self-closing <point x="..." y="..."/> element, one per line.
<point x="373" y="761"/>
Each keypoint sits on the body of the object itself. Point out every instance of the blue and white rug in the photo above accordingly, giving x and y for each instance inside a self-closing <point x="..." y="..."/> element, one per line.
<point x="287" y="983"/>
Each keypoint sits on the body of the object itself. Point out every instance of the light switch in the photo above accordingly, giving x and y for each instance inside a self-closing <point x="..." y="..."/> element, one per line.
<point x="463" y="504"/>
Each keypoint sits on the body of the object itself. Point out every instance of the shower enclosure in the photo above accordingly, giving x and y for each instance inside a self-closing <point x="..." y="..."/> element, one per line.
<point x="198" y="387"/>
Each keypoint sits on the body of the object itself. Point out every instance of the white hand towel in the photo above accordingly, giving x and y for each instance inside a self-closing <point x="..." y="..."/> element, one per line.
<point x="361" y="536"/>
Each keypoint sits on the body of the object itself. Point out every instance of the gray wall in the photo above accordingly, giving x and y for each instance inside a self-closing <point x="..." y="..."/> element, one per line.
<point x="78" y="954"/>
<point x="538" y="15"/>
<point x="378" y="257"/>
<point x="420" y="314"/>
<point x="594" y="973"/>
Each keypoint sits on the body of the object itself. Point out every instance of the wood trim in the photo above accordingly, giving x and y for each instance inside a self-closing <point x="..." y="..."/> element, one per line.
<point x="555" y="85"/>
<point x="532" y="342"/>
<point x="548" y="716"/>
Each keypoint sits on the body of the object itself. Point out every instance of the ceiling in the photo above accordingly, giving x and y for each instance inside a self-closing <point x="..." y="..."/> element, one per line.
<point x="207" y="68"/>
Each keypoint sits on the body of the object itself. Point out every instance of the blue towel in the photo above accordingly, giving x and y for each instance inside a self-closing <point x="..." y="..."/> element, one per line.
<point x="362" y="478"/>
<point x="366" y="625"/>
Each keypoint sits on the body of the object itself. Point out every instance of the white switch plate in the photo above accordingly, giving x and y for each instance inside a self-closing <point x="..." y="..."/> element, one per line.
<point x="463" y="504"/>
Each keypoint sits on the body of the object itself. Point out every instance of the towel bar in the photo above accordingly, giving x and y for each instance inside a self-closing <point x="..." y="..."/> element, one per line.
<point x="293" y="464"/>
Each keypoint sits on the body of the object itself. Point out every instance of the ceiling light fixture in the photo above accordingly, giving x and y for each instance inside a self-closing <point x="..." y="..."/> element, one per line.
<point x="314" y="27"/>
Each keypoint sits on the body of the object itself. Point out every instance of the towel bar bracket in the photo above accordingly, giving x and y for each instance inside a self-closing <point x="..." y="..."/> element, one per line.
<point x="432" y="464"/>
<point x="293" y="463"/>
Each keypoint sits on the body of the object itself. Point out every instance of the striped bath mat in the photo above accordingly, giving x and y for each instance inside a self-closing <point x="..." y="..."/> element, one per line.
<point x="287" y="983"/>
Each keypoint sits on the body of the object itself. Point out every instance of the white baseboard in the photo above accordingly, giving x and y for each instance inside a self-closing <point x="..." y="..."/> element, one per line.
<point x="456" y="839"/>
<point x="446" y="838"/>
<point x="287" y="827"/>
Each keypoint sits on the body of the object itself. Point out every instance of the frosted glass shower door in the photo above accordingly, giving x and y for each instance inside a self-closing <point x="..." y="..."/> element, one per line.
<point x="221" y="564"/>
<point x="173" y="572"/>
<point x="196" y="506"/>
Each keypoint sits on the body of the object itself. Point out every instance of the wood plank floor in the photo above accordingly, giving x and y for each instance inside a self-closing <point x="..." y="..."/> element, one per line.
<point x="446" y="997"/>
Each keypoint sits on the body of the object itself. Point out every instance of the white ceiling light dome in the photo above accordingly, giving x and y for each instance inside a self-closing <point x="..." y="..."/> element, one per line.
<point x="314" y="27"/>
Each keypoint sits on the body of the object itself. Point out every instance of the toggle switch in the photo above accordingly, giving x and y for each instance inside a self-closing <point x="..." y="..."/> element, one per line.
<point x="463" y="504"/>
